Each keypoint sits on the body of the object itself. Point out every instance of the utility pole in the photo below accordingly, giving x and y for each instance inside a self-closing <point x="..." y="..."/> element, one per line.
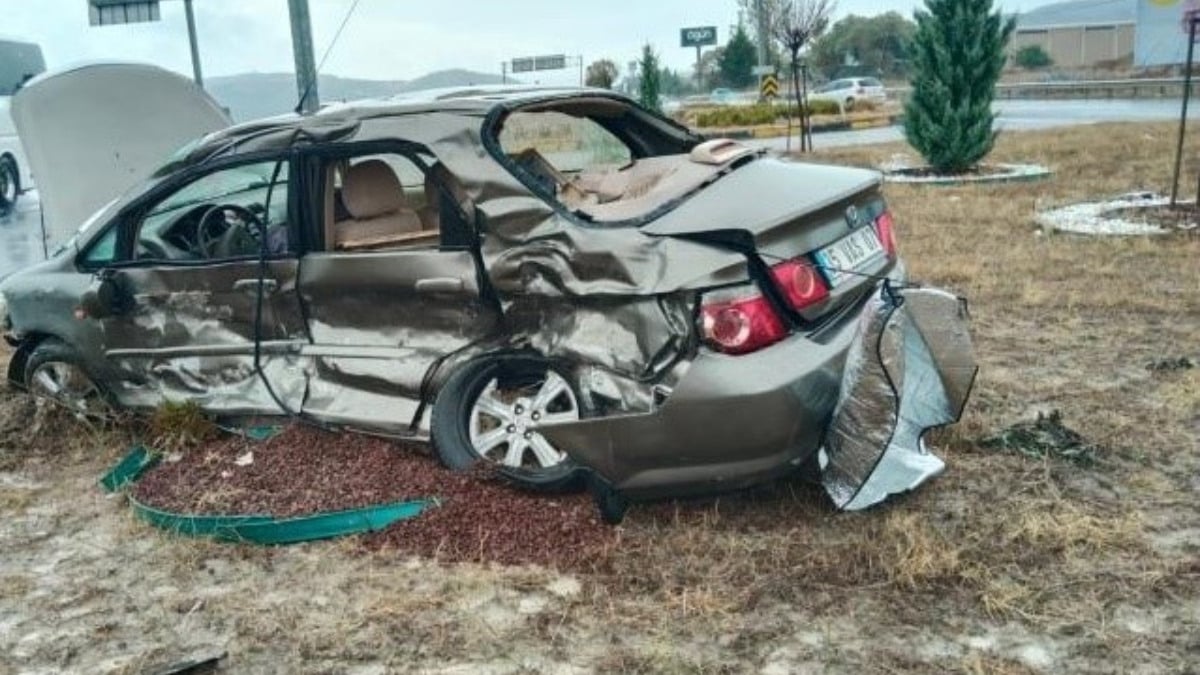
<point x="763" y="33"/>
<point x="191" y="26"/>
<point x="302" y="52"/>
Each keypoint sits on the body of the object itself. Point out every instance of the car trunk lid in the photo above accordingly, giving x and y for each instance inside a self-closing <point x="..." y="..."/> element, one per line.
<point x="789" y="210"/>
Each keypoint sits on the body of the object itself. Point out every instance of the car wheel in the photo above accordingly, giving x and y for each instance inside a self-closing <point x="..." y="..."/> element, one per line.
<point x="490" y="410"/>
<point x="55" y="371"/>
<point x="849" y="104"/>
<point x="10" y="185"/>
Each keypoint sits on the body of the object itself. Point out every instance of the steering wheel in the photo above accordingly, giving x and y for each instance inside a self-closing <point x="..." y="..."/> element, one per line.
<point x="226" y="230"/>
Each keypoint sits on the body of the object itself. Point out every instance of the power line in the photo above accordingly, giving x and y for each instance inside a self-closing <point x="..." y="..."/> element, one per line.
<point x="338" y="34"/>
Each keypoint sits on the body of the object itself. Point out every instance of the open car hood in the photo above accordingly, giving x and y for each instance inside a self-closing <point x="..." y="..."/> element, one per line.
<point x="92" y="132"/>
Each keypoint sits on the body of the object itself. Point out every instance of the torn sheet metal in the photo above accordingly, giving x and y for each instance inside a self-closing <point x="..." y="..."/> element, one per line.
<point x="909" y="369"/>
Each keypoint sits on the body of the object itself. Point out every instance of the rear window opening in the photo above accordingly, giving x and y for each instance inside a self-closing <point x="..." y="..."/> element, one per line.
<point x="608" y="161"/>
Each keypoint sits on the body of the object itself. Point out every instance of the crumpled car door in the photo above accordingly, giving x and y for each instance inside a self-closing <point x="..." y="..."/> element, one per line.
<point x="188" y="332"/>
<point x="379" y="320"/>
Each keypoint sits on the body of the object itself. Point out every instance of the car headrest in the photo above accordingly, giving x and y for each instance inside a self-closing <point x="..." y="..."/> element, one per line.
<point x="371" y="189"/>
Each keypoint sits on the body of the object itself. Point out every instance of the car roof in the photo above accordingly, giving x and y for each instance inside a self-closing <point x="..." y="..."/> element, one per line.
<point x="338" y="119"/>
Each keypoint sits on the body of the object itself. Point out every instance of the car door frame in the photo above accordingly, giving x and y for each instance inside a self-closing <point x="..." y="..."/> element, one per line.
<point x="130" y="385"/>
<point x="459" y="248"/>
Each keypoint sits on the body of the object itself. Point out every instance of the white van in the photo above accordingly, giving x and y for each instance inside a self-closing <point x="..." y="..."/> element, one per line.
<point x="19" y="62"/>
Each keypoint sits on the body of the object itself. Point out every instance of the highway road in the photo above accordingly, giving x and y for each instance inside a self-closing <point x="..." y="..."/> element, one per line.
<point x="20" y="241"/>
<point x="1022" y="116"/>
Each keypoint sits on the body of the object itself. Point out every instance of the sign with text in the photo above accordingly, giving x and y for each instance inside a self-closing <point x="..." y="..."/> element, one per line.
<point x="112" y="12"/>
<point x="529" y="64"/>
<point x="700" y="36"/>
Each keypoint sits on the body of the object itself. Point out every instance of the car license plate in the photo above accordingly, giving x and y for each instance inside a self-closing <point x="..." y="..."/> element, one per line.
<point x="849" y="254"/>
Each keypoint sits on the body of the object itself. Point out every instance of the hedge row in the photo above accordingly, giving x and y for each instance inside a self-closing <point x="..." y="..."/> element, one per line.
<point x="766" y="113"/>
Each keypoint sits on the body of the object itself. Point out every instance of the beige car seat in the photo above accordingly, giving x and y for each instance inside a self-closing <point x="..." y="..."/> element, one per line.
<point x="379" y="214"/>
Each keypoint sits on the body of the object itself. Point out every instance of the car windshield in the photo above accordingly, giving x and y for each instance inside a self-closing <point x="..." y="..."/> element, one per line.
<point x="218" y="186"/>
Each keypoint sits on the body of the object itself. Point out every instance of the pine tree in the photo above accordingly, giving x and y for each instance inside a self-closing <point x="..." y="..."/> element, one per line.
<point x="738" y="59"/>
<point x="648" y="92"/>
<point x="956" y="58"/>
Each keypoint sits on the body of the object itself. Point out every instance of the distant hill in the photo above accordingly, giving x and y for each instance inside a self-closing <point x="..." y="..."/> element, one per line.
<point x="253" y="95"/>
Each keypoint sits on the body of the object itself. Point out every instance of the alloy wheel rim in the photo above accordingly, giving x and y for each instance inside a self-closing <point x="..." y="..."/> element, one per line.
<point x="505" y="424"/>
<point x="67" y="384"/>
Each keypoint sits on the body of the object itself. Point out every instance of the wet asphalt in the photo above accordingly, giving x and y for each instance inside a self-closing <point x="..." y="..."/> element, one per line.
<point x="20" y="232"/>
<point x="21" y="235"/>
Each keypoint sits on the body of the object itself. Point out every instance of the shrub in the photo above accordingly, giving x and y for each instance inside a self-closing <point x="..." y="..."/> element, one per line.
<point x="957" y="56"/>
<point x="767" y="113"/>
<point x="1032" y="57"/>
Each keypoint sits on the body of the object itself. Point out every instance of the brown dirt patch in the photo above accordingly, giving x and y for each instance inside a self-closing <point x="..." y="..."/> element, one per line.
<point x="305" y="470"/>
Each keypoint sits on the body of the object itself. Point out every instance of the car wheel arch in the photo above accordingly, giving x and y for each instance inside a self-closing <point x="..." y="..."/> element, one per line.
<point x="20" y="357"/>
<point x="456" y="394"/>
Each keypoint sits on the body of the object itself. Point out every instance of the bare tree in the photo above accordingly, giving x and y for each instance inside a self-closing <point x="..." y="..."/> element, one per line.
<point x="799" y="22"/>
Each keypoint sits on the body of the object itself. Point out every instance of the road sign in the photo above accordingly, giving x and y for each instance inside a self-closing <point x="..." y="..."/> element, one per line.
<point x="700" y="36"/>
<point x="554" y="62"/>
<point x="529" y="64"/>
<point x="111" y="12"/>
<point x="763" y="70"/>
<point x="768" y="86"/>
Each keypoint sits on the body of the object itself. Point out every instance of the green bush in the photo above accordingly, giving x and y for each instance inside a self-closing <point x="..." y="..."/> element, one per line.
<point x="767" y="113"/>
<point x="1032" y="57"/>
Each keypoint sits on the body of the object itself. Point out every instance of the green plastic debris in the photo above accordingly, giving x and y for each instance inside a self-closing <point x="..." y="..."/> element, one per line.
<point x="269" y="530"/>
<point x="253" y="528"/>
<point x="129" y="469"/>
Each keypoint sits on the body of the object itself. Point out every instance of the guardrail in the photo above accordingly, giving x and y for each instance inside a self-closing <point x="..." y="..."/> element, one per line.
<point x="1160" y="87"/>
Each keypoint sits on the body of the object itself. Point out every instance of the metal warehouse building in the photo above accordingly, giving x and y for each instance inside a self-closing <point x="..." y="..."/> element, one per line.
<point x="1081" y="33"/>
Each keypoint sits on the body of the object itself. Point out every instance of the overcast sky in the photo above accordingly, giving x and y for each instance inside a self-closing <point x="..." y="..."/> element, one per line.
<point x="392" y="39"/>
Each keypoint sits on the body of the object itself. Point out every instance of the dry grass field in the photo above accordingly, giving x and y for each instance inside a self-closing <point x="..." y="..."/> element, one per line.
<point x="1078" y="558"/>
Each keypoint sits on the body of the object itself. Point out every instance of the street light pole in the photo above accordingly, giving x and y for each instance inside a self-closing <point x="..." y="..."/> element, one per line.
<point x="191" y="26"/>
<point x="302" y="53"/>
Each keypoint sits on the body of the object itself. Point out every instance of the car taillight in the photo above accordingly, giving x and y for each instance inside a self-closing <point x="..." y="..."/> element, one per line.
<point x="885" y="227"/>
<point x="740" y="321"/>
<point x="800" y="282"/>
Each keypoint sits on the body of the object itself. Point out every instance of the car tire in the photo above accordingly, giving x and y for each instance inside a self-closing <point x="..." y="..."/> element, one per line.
<point x="10" y="185"/>
<point x="56" y="371"/>
<point x="502" y="394"/>
<point x="849" y="104"/>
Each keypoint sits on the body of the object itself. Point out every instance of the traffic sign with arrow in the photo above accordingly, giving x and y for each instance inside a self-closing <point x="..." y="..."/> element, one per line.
<point x="768" y="86"/>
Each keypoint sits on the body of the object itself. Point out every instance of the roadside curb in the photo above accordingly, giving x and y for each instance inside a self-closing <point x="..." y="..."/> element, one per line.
<point x="1014" y="173"/>
<point x="777" y="131"/>
<point x="254" y="528"/>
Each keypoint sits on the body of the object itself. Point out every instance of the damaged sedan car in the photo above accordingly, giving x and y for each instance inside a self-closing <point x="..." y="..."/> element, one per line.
<point x="558" y="282"/>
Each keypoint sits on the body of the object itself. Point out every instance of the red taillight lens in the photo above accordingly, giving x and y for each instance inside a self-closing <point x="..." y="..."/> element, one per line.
<point x="741" y="325"/>
<point x="885" y="227"/>
<point x="800" y="282"/>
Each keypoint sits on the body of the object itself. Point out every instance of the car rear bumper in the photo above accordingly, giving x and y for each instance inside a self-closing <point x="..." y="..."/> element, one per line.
<point x="733" y="421"/>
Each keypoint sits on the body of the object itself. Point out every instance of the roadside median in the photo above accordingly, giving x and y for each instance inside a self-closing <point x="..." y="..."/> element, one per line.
<point x="821" y="124"/>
